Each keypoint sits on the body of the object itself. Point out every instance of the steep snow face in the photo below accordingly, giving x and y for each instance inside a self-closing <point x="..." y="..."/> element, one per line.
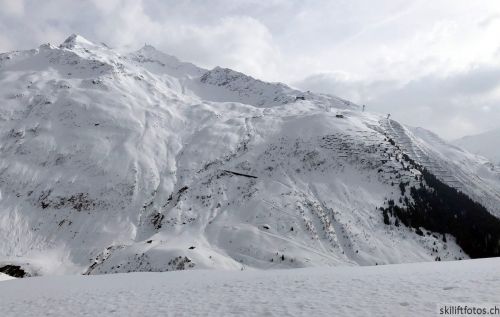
<point x="140" y="162"/>
<point x="485" y="144"/>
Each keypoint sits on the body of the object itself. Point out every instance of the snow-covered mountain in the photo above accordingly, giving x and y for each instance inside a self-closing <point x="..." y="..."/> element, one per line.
<point x="116" y="162"/>
<point x="485" y="144"/>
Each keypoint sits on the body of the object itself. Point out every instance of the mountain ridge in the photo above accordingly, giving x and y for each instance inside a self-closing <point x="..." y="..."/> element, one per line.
<point x="117" y="162"/>
<point x="482" y="144"/>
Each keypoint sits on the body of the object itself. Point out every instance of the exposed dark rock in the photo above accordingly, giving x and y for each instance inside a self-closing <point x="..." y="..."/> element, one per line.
<point x="14" y="271"/>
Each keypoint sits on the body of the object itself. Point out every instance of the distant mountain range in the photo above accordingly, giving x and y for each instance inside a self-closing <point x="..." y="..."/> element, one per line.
<point x="486" y="144"/>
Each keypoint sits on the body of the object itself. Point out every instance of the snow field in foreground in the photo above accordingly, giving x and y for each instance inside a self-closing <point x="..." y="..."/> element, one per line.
<point x="391" y="290"/>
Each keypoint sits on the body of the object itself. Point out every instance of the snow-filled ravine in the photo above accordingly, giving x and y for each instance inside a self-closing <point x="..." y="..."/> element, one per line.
<point x="418" y="289"/>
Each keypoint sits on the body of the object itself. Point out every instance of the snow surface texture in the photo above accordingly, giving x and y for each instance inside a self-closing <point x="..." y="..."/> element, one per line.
<point x="115" y="163"/>
<point x="341" y="291"/>
<point x="485" y="144"/>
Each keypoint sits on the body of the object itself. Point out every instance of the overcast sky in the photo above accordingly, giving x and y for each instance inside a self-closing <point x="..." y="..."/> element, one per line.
<point x="434" y="64"/>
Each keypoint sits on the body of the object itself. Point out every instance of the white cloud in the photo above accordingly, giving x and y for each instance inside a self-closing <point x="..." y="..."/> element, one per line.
<point x="242" y="43"/>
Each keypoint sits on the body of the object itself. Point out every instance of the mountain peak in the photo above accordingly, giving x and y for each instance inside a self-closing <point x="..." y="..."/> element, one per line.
<point x="151" y="51"/>
<point x="148" y="48"/>
<point x="75" y="40"/>
<point x="46" y="46"/>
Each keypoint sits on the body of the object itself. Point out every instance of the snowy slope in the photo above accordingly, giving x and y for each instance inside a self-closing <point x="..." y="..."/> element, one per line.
<point x="342" y="291"/>
<point x="5" y="277"/>
<point x="140" y="162"/>
<point x="485" y="144"/>
<point x="476" y="177"/>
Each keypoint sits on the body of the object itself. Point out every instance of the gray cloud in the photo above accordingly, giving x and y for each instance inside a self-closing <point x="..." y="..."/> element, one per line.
<point x="454" y="105"/>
